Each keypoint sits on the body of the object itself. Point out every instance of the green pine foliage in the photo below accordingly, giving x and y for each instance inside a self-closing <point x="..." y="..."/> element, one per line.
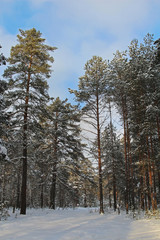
<point x="29" y="66"/>
<point x="49" y="165"/>
<point x="92" y="89"/>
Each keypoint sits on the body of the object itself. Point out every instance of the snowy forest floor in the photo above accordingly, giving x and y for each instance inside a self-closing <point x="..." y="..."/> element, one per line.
<point x="78" y="224"/>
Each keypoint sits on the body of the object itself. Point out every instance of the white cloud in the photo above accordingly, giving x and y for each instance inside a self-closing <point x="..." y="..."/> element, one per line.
<point x="81" y="29"/>
<point x="104" y="13"/>
<point x="6" y="40"/>
<point x="117" y="17"/>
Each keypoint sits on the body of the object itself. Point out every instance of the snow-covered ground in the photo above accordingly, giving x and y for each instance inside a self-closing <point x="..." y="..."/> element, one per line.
<point x="78" y="224"/>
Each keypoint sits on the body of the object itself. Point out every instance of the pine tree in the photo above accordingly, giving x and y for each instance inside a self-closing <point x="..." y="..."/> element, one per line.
<point x="134" y="82"/>
<point x="91" y="93"/>
<point x="118" y="76"/>
<point x="114" y="166"/>
<point x="3" y="118"/>
<point x="3" y="115"/>
<point x="143" y="114"/>
<point x="29" y="67"/>
<point x="63" y="145"/>
<point x="2" y="58"/>
<point x="3" y="135"/>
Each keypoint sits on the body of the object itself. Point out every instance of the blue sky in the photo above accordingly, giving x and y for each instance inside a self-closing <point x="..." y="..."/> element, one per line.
<point x="79" y="29"/>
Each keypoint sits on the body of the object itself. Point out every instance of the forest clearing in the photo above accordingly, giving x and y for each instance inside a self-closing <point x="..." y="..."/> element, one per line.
<point x="79" y="224"/>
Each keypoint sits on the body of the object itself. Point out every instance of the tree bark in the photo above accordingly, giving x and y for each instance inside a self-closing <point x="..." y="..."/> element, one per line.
<point x="130" y="168"/>
<point x="150" y="175"/>
<point x="158" y="128"/>
<point x="42" y="195"/>
<point x="18" y="191"/>
<point x="113" y="161"/>
<point x="101" y="211"/>
<point x="125" y="153"/>
<point x="25" y="128"/>
<point x="53" y="190"/>
<point x="54" y="177"/>
<point x="154" y="174"/>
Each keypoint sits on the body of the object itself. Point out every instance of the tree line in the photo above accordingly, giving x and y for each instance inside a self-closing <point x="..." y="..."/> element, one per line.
<point x="45" y="164"/>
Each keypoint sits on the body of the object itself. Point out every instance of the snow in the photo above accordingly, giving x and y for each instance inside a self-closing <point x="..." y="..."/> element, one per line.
<point x="3" y="150"/>
<point x="78" y="224"/>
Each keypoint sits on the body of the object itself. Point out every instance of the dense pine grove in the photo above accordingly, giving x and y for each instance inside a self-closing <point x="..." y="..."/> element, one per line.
<point x="44" y="160"/>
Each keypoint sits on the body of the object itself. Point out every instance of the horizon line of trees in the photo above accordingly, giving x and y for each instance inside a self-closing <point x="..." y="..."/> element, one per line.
<point x="45" y="164"/>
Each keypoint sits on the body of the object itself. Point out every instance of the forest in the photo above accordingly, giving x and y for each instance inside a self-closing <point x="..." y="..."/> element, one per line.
<point x="43" y="160"/>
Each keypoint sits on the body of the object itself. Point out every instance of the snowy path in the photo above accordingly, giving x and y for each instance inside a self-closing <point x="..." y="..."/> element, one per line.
<point x="77" y="224"/>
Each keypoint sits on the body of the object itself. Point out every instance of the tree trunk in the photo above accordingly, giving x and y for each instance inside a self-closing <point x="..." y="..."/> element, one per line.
<point x="109" y="193"/>
<point x="159" y="181"/>
<point x="150" y="175"/>
<point x="143" y="173"/>
<point x="54" y="177"/>
<point x="141" y="193"/>
<point x="125" y="153"/>
<point x="142" y="180"/>
<point x="24" y="174"/>
<point x="25" y="128"/>
<point x="158" y="128"/>
<point x="53" y="190"/>
<point x="101" y="211"/>
<point x="130" y="168"/>
<point x="18" y="191"/>
<point x="113" y="161"/>
<point x="42" y="195"/>
<point x="148" y="189"/>
<point x="85" y="198"/>
<point x="154" y="175"/>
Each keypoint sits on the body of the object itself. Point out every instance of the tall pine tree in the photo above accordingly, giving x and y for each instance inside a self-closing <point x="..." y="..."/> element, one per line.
<point x="91" y="93"/>
<point x="27" y="73"/>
